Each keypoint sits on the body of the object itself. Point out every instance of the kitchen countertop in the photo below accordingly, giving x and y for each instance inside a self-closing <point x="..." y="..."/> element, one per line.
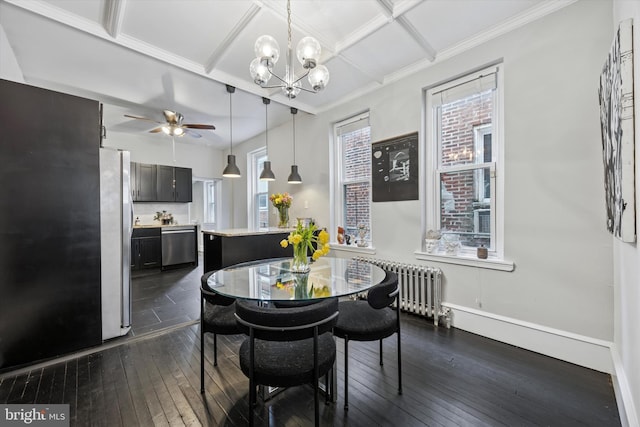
<point x="233" y="232"/>
<point x="163" y="225"/>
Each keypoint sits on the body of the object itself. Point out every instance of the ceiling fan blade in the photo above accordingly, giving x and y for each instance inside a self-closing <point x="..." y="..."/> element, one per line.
<point x="198" y="126"/>
<point x="171" y="116"/>
<point x="156" y="130"/>
<point x="140" y="118"/>
<point x="192" y="133"/>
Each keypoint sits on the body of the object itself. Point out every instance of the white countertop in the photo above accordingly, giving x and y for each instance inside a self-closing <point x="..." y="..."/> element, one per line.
<point x="162" y="225"/>
<point x="232" y="232"/>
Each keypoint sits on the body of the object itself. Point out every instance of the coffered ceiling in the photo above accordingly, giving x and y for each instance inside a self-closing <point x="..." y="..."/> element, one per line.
<point x="142" y="56"/>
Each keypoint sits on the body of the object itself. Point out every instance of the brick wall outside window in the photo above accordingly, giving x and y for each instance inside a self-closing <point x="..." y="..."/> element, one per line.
<point x="357" y="167"/>
<point x="459" y="119"/>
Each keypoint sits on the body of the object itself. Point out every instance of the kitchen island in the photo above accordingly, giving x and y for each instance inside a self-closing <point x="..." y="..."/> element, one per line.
<point x="223" y="248"/>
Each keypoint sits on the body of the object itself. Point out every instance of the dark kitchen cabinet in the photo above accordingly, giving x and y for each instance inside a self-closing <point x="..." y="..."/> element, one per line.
<point x="174" y="184"/>
<point x="159" y="183"/>
<point x="166" y="184"/>
<point x="143" y="182"/>
<point x="183" y="185"/>
<point x="146" y="248"/>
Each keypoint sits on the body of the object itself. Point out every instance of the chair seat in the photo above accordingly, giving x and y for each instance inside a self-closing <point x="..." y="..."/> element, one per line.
<point x="360" y="322"/>
<point x="220" y="319"/>
<point x="288" y="363"/>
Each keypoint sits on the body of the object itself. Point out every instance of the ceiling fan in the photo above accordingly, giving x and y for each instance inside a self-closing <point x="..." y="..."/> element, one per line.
<point x="174" y="125"/>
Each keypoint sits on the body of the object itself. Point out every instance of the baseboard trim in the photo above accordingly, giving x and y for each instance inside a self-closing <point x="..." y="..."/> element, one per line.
<point x="624" y="398"/>
<point x="581" y="350"/>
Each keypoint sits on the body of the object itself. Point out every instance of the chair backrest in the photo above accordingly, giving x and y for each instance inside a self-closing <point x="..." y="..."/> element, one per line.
<point x="383" y="294"/>
<point x="212" y="297"/>
<point x="286" y="324"/>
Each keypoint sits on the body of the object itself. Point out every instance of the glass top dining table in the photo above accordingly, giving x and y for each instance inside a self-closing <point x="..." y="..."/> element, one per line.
<point x="273" y="280"/>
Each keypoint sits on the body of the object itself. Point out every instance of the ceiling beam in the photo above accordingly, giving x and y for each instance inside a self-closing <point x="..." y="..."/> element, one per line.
<point x="233" y="34"/>
<point x="113" y="16"/>
<point x="398" y="16"/>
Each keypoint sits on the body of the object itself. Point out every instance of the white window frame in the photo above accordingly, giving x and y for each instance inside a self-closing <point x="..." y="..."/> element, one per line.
<point x="253" y="183"/>
<point x="213" y="185"/>
<point x="430" y="174"/>
<point x="336" y="169"/>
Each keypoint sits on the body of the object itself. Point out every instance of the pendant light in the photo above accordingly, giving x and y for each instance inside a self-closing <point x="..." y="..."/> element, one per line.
<point x="267" y="173"/>
<point x="294" y="177"/>
<point x="231" y="171"/>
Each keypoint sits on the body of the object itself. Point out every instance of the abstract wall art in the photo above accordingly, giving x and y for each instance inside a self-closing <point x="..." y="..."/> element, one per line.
<point x="618" y="140"/>
<point x="394" y="169"/>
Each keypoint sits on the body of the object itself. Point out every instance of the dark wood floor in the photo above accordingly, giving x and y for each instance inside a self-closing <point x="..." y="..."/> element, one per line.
<point x="164" y="299"/>
<point x="451" y="378"/>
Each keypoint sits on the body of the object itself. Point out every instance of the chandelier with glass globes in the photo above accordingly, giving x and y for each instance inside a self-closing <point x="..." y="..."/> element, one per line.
<point x="308" y="53"/>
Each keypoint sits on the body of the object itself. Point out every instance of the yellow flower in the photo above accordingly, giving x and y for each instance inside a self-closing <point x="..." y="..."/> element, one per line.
<point x="284" y="243"/>
<point x="317" y="254"/>
<point x="323" y="237"/>
<point x="279" y="285"/>
<point x="295" y="238"/>
<point x="325" y="249"/>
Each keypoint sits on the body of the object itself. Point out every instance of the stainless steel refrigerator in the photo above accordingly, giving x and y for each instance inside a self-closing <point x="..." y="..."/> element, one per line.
<point x="116" y="212"/>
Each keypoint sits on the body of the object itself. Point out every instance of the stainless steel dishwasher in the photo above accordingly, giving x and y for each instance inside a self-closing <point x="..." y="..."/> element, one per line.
<point x="178" y="245"/>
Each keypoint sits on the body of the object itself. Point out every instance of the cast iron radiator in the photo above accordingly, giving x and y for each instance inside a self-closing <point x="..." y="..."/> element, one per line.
<point x="420" y="288"/>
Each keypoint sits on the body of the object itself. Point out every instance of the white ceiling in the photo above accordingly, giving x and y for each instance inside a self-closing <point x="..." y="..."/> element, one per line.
<point x="142" y="56"/>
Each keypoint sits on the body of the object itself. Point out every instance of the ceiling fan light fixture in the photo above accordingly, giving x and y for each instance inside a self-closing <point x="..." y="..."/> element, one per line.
<point x="178" y="131"/>
<point x="166" y="129"/>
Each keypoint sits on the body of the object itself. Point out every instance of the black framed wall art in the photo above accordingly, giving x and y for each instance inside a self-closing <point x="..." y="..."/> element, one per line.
<point x="394" y="168"/>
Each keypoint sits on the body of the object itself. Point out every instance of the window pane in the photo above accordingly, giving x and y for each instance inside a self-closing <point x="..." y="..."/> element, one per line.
<point x="263" y="209"/>
<point x="357" y="154"/>
<point x="210" y="213"/>
<point x="458" y="121"/>
<point x="263" y="186"/>
<point x="461" y="211"/>
<point x="356" y="209"/>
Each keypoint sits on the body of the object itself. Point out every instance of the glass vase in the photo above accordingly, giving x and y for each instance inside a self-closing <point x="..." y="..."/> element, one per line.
<point x="300" y="262"/>
<point x="283" y="217"/>
<point x="301" y="290"/>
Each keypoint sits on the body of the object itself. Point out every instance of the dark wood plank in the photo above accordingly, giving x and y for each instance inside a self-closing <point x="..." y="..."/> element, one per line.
<point x="96" y="390"/>
<point x="15" y="394"/>
<point x="135" y="387"/>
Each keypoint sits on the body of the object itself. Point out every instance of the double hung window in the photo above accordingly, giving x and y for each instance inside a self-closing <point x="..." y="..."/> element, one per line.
<point x="258" y="201"/>
<point x="464" y="180"/>
<point x="352" y="169"/>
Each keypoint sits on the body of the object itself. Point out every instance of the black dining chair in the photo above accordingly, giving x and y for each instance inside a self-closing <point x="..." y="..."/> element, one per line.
<point x="217" y="316"/>
<point x="370" y="320"/>
<point x="287" y="346"/>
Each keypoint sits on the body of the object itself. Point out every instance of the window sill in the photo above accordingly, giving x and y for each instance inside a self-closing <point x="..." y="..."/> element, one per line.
<point x="370" y="250"/>
<point x="467" y="260"/>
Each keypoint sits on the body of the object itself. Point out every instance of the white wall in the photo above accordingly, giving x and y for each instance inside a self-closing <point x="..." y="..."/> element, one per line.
<point x="560" y="296"/>
<point x="9" y="68"/>
<point x="626" y="262"/>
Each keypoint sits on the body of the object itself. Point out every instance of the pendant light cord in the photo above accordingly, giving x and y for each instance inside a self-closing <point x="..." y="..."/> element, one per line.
<point x="230" y="123"/>
<point x="266" y="127"/>
<point x="294" y="139"/>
